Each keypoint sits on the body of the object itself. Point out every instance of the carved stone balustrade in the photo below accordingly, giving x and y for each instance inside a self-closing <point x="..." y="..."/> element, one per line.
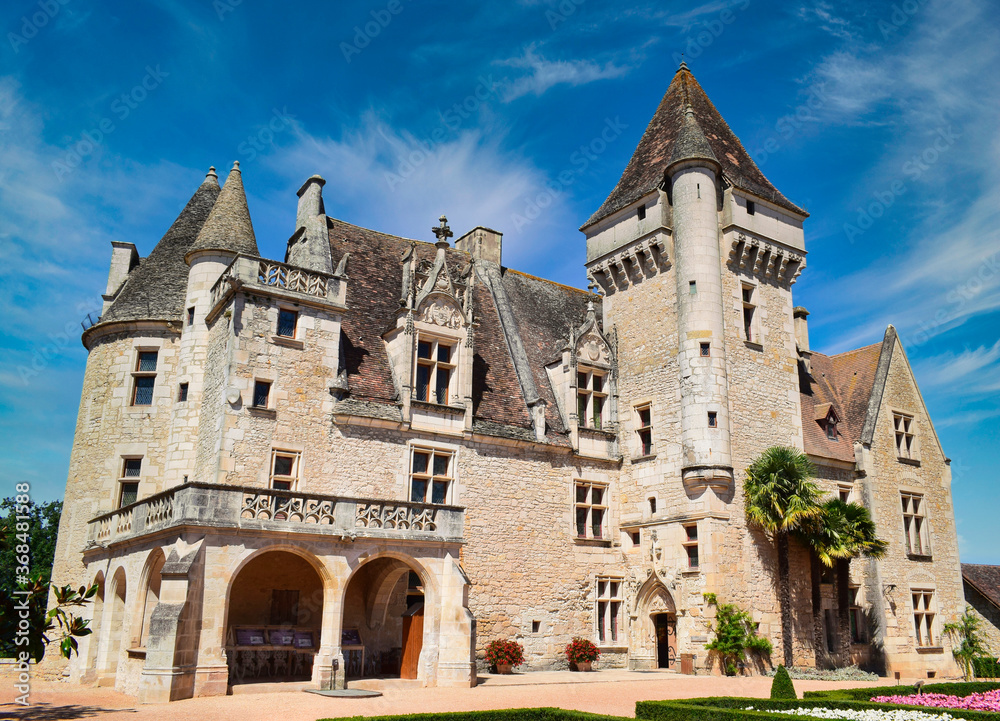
<point x="269" y="277"/>
<point x="209" y="506"/>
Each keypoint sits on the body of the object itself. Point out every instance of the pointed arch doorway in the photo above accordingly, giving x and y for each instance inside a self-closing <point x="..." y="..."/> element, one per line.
<point x="654" y="637"/>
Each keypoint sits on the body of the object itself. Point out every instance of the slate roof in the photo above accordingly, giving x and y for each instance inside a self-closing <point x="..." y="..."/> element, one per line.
<point x="228" y="226"/>
<point x="843" y="382"/>
<point x="157" y="287"/>
<point x="985" y="579"/>
<point x="645" y="171"/>
<point x="543" y="311"/>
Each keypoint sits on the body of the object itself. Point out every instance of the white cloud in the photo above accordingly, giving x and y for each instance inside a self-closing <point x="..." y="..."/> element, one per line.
<point x="822" y="13"/>
<point x="543" y="74"/>
<point x="974" y="370"/>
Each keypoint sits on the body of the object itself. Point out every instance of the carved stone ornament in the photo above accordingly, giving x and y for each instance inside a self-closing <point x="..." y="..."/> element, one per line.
<point x="441" y="312"/>
<point x="592" y="349"/>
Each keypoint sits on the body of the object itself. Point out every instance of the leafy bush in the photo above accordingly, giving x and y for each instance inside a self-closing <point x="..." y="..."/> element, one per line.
<point x="986" y="667"/>
<point x="735" y="634"/>
<point x="580" y="650"/>
<point x="754" y="709"/>
<point x="866" y="694"/>
<point x="518" y="714"/>
<point x="967" y="642"/>
<point x="502" y="651"/>
<point x="782" y="687"/>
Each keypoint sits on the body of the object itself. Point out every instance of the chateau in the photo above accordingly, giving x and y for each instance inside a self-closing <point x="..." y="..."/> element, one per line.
<point x="377" y="455"/>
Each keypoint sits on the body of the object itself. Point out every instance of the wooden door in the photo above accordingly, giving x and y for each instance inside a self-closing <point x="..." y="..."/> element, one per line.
<point x="413" y="641"/>
<point x="666" y="640"/>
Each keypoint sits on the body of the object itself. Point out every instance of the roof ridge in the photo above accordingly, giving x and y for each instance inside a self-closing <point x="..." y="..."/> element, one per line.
<point x="546" y="280"/>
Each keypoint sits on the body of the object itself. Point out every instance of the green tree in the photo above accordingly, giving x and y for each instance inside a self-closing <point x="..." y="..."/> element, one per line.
<point x="735" y="634"/>
<point x="782" y="687"/>
<point x="35" y="526"/>
<point x="780" y="497"/>
<point x="42" y="527"/>
<point x="966" y="641"/>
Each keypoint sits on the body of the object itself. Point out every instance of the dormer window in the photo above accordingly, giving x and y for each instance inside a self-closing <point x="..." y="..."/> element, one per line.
<point x="591" y="397"/>
<point x="435" y="370"/>
<point x="831" y="426"/>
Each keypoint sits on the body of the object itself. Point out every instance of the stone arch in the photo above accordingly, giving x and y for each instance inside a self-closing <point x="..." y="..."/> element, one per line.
<point x="389" y="614"/>
<point x="96" y="626"/>
<point x="149" y="593"/>
<point x="114" y="622"/>
<point x="284" y="587"/>
<point x="653" y="615"/>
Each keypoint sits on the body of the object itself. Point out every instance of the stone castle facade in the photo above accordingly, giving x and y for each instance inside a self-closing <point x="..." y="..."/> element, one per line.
<point x="379" y="454"/>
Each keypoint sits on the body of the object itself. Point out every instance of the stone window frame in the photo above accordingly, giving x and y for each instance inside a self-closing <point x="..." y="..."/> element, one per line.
<point x="268" y="397"/>
<point x="750" y="327"/>
<point x="906" y="439"/>
<point x="691" y="542"/>
<point x="451" y="477"/>
<point x="918" y="529"/>
<point x="845" y="492"/>
<point x="923" y="606"/>
<point x="587" y="505"/>
<point x="609" y="631"/>
<point x="643" y="448"/>
<point x="138" y="373"/>
<point x="294" y="478"/>
<point x="295" y="340"/>
<point x="126" y="479"/>
<point x="586" y="396"/>
<point x="453" y="364"/>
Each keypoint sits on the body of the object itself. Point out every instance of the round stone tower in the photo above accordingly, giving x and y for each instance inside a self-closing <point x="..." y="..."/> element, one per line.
<point x="693" y="174"/>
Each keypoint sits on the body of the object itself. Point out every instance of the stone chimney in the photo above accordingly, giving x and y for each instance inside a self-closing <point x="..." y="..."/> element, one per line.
<point x="309" y="246"/>
<point x="799" y="315"/>
<point x="124" y="257"/>
<point x="482" y="244"/>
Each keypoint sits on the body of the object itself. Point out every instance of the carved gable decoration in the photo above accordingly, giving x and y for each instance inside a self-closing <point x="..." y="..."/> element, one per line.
<point x="591" y="348"/>
<point x="441" y="311"/>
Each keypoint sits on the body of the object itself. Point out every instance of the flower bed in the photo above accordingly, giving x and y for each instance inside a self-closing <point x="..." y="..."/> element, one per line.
<point x="730" y="708"/>
<point x="865" y="694"/>
<point x="868" y="714"/>
<point x="987" y="701"/>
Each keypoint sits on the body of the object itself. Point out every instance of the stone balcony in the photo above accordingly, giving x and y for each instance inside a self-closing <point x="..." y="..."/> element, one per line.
<point x="207" y="506"/>
<point x="269" y="277"/>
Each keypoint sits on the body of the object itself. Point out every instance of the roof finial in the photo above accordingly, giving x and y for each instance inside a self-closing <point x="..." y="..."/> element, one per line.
<point x="442" y="232"/>
<point x="211" y="173"/>
<point x="236" y="166"/>
<point x="683" y="65"/>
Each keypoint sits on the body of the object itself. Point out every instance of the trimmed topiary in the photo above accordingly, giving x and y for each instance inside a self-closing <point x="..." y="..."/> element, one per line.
<point x="782" y="687"/>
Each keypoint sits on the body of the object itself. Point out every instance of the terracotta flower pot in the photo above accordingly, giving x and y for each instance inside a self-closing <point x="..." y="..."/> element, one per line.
<point x="584" y="666"/>
<point x="505" y="668"/>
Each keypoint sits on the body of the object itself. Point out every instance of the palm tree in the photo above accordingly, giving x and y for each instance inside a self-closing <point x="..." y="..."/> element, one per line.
<point x="858" y="539"/>
<point x="780" y="497"/>
<point x="824" y="536"/>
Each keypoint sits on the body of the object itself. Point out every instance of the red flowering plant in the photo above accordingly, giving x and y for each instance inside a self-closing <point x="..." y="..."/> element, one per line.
<point x="502" y="651"/>
<point x="580" y="650"/>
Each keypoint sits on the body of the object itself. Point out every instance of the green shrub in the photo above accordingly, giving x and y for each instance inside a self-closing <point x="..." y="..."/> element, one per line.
<point x="986" y="667"/>
<point x="735" y="634"/>
<point x="865" y="694"/>
<point x="735" y="709"/>
<point x="781" y="686"/>
<point x="519" y="714"/>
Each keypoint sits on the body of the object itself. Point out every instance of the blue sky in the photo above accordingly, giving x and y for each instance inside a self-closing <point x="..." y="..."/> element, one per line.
<point x="880" y="118"/>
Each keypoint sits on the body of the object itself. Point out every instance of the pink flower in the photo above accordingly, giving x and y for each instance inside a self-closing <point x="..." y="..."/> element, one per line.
<point x="987" y="701"/>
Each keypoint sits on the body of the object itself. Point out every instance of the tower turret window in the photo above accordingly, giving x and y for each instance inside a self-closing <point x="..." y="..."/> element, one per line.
<point x="287" y="321"/>
<point x="713" y="419"/>
<point x="642" y="212"/>
<point x="751" y="208"/>
<point x="751" y="324"/>
<point x="128" y="484"/>
<point x="144" y="378"/>
<point x="644" y="429"/>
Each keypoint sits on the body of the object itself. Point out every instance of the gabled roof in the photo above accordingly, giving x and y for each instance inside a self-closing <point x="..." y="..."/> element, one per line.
<point x="842" y="383"/>
<point x="540" y="309"/>
<point x="228" y="227"/>
<point x="985" y="579"/>
<point x="655" y="152"/>
<point x="157" y="287"/>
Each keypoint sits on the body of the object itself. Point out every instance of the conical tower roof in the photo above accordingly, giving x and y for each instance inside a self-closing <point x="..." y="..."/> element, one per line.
<point x="228" y="227"/>
<point x="656" y="151"/>
<point x="691" y="143"/>
<point x="157" y="287"/>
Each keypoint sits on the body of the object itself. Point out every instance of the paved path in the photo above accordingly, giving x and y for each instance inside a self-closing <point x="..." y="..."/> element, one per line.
<point x="607" y="692"/>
